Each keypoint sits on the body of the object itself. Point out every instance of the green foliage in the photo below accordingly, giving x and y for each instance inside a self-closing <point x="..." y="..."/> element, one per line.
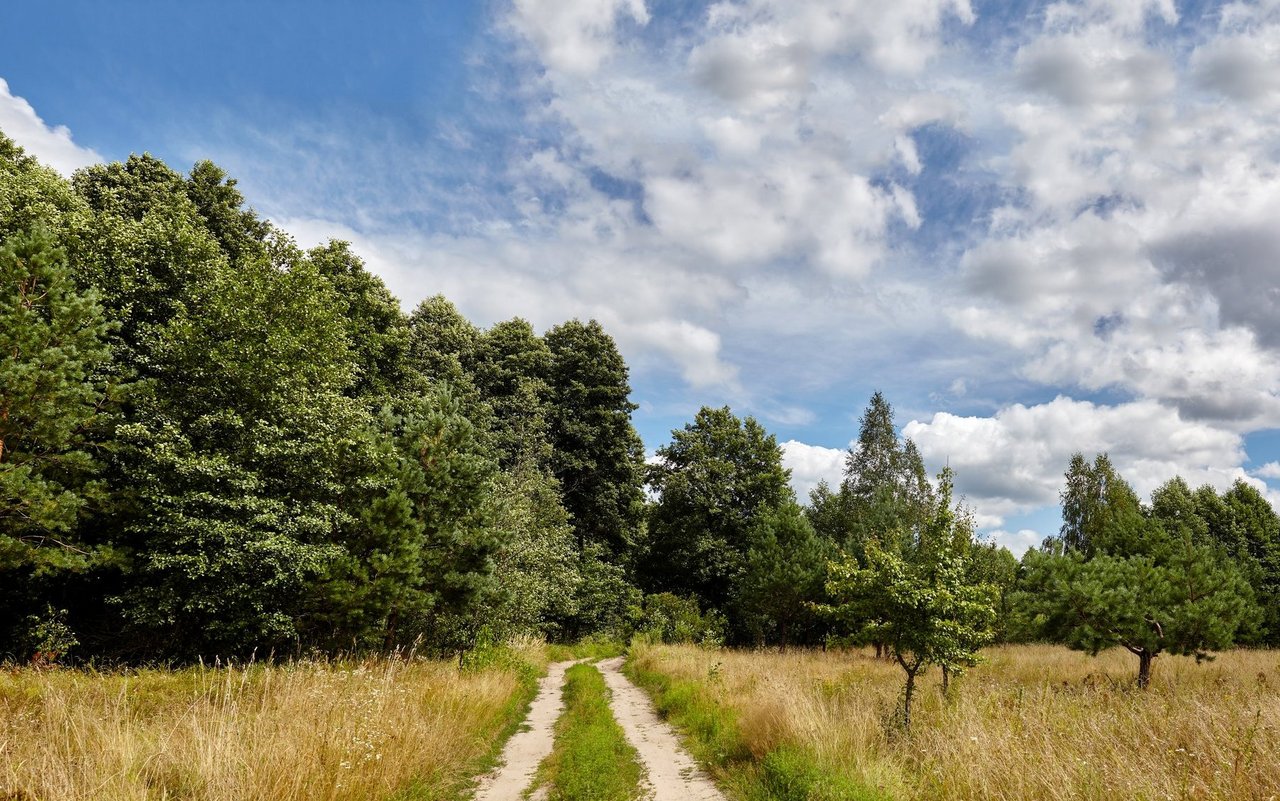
<point x="668" y="618"/>
<point x="885" y="487"/>
<point x="53" y="338"/>
<point x="921" y="602"/>
<point x="1151" y="584"/>
<point x="536" y="580"/>
<point x="1099" y="510"/>
<point x="377" y="331"/>
<point x="48" y="637"/>
<point x="608" y="603"/>
<point x="510" y="367"/>
<point x="592" y="760"/>
<point x="782" y="579"/>
<point x="715" y="478"/>
<point x="598" y="456"/>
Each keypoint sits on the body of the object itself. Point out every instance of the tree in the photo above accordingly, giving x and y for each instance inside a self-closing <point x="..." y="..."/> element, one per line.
<point x="53" y="340"/>
<point x="52" y="394"/>
<point x="885" y="486"/>
<point x="377" y="331"/>
<point x="598" y="457"/>
<point x="510" y="367"/>
<point x="536" y="581"/>
<point x="783" y="577"/>
<point x="1099" y="509"/>
<point x="996" y="566"/>
<point x="920" y="601"/>
<point x="240" y="233"/>
<point x="1150" y="585"/>
<point x="1252" y="538"/>
<point x="715" y="478"/>
<point x="226" y="490"/>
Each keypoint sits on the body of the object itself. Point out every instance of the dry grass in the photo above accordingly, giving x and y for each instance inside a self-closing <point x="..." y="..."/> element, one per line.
<point x="1034" y="722"/>
<point x="311" y="731"/>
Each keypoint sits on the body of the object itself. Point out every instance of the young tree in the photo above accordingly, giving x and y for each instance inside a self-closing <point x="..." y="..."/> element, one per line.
<point x="921" y="601"/>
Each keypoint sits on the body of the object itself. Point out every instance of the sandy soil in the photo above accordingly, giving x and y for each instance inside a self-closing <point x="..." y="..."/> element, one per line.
<point x="531" y="744"/>
<point x="673" y="775"/>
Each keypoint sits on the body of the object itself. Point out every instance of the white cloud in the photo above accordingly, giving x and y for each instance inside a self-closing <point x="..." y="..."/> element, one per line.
<point x="810" y="464"/>
<point x="1013" y="461"/>
<point x="52" y="145"/>
<point x="768" y="182"/>
<point x="575" y="36"/>
<point x="1268" y="470"/>
<point x="1018" y="542"/>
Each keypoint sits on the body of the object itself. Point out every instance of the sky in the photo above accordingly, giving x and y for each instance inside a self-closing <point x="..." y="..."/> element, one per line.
<point x="1037" y="227"/>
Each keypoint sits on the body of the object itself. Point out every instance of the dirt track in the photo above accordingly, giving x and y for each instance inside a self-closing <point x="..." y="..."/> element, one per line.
<point x="531" y="744"/>
<point x="672" y="773"/>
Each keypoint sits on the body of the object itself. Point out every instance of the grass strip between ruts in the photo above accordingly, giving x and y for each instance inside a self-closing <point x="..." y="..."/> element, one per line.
<point x="592" y="760"/>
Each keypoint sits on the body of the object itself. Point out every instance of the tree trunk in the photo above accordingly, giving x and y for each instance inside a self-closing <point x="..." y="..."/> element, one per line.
<point x="879" y="649"/>
<point x="906" y="700"/>
<point x="946" y="679"/>
<point x="1144" y="668"/>
<point x="783" y="647"/>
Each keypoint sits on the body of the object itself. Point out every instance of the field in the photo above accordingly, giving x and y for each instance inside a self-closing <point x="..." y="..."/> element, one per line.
<point x="1034" y="722"/>
<point x="310" y="731"/>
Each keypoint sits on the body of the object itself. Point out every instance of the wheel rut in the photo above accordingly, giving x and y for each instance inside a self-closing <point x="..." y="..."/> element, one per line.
<point x="672" y="774"/>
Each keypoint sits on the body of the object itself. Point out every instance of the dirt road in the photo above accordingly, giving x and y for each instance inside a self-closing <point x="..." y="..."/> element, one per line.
<point x="531" y="744"/>
<point x="672" y="773"/>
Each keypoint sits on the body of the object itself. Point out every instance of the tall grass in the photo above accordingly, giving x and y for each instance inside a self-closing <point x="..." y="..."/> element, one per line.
<point x="1034" y="722"/>
<point x="309" y="731"/>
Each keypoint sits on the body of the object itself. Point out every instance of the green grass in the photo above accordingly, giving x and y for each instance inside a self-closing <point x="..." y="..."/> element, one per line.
<point x="714" y="737"/>
<point x="592" y="760"/>
<point x="586" y="649"/>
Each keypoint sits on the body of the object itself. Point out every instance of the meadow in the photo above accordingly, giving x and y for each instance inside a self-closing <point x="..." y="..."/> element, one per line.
<point x="1033" y="722"/>
<point x="406" y="729"/>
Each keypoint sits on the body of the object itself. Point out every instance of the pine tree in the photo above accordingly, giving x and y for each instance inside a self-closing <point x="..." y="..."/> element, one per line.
<point x="1151" y="585"/>
<point x="53" y="340"/>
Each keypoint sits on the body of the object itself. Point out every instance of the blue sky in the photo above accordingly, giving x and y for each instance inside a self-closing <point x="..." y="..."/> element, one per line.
<point x="1036" y="226"/>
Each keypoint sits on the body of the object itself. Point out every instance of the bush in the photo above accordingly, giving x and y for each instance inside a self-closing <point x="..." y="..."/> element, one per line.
<point x="668" y="618"/>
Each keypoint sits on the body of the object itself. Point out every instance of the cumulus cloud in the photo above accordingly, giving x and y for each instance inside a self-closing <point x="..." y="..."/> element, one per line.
<point x="747" y="197"/>
<point x="53" y="145"/>
<point x="1268" y="470"/>
<point x="1018" y="542"/>
<point x="574" y="35"/>
<point x="1013" y="461"/>
<point x="810" y="464"/>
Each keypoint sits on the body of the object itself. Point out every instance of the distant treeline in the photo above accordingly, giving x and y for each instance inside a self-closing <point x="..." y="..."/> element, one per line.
<point x="215" y="443"/>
